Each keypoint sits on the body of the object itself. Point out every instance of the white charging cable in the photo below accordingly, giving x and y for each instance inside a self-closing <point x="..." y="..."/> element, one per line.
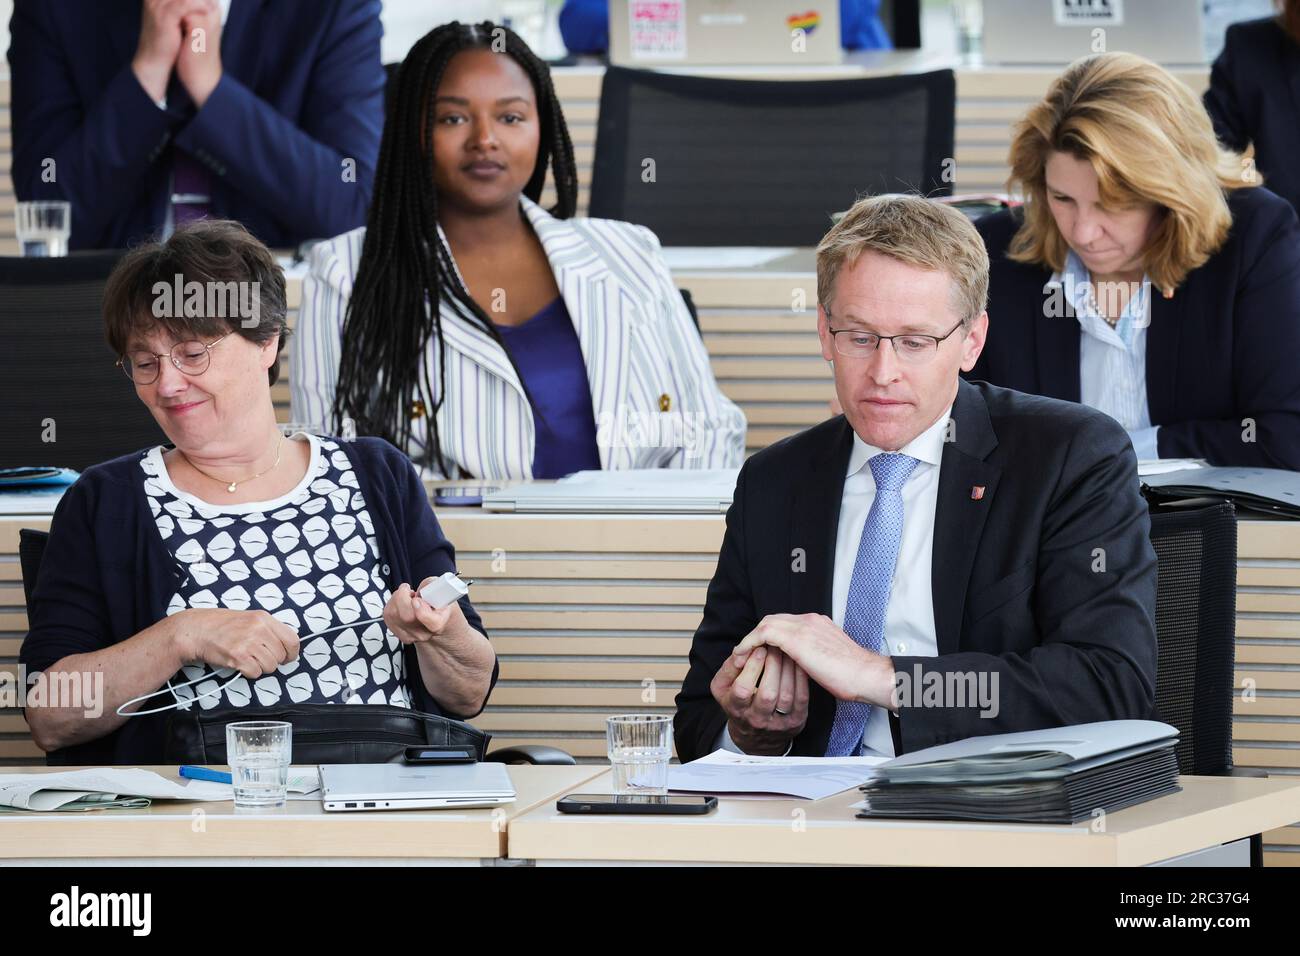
<point x="438" y="593"/>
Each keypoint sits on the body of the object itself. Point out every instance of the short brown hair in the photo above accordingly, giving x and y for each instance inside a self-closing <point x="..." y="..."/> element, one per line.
<point x="149" y="288"/>
<point x="917" y="231"/>
<point x="1149" y="140"/>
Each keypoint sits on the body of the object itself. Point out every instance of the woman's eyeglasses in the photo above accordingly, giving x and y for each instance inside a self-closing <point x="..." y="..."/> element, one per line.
<point x="192" y="358"/>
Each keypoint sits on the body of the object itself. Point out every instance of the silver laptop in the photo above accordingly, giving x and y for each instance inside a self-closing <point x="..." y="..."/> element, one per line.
<point x="397" y="786"/>
<point x="1056" y="32"/>
<point x="652" y="33"/>
<point x="630" y="491"/>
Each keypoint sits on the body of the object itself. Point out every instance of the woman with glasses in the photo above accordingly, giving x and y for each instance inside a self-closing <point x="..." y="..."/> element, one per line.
<point x="236" y="566"/>
<point x="1148" y="273"/>
<point x="481" y="333"/>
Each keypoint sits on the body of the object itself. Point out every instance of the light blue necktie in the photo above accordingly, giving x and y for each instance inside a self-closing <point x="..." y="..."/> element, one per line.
<point x="873" y="577"/>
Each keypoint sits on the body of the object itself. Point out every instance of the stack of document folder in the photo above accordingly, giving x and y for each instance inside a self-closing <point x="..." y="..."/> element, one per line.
<point x="1060" y="775"/>
<point x="1256" y="492"/>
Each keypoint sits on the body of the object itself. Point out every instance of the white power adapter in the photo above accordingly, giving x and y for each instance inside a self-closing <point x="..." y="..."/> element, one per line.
<point x="445" y="590"/>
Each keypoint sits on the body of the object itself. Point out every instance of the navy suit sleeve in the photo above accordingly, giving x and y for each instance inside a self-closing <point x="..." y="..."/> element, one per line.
<point x="729" y="615"/>
<point x="430" y="552"/>
<point x="1222" y="101"/>
<point x="69" y="613"/>
<point x="1266" y="341"/>
<point x="584" y="25"/>
<point x="1096" y="658"/>
<point x="296" y="172"/>
<point x="101" y="154"/>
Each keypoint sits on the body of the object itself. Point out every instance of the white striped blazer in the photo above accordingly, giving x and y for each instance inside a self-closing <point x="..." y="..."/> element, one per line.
<point x="656" y="402"/>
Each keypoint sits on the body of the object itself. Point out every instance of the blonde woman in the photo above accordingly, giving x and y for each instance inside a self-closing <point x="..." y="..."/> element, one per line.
<point x="1148" y="274"/>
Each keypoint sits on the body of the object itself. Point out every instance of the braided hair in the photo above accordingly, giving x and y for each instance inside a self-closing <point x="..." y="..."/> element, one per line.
<point x="405" y="271"/>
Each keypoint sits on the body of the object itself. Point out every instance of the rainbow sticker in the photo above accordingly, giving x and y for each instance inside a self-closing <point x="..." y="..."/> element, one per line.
<point x="807" y="22"/>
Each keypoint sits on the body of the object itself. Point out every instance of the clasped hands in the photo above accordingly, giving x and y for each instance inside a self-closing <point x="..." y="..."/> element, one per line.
<point x="762" y="687"/>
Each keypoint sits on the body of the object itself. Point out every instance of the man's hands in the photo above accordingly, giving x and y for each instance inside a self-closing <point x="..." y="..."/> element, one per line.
<point x="199" y="70"/>
<point x="788" y="650"/>
<point x="765" y="697"/>
<point x="167" y="42"/>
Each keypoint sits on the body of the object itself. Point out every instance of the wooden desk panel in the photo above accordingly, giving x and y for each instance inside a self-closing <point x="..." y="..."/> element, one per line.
<point x="173" y="829"/>
<point x="1209" y="811"/>
<point x="594" y="615"/>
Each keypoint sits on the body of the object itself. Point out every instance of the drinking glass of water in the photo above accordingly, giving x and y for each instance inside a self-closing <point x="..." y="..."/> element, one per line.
<point x="259" y="752"/>
<point x="640" y="746"/>
<point x="43" y="227"/>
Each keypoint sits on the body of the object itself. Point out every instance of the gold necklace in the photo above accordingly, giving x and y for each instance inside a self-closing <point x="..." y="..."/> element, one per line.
<point x="231" y="487"/>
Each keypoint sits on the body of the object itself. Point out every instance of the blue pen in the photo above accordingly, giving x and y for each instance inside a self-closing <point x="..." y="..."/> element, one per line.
<point x="203" y="773"/>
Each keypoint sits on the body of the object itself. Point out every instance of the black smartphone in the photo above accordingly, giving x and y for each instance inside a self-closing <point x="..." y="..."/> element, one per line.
<point x="635" y="803"/>
<point x="426" y="755"/>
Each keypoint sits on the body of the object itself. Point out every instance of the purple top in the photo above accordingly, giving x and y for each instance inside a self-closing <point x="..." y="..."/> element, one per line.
<point x="545" y="349"/>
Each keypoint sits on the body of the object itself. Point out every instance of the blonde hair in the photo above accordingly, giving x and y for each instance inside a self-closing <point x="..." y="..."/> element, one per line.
<point x="919" y="232"/>
<point x="1149" y="140"/>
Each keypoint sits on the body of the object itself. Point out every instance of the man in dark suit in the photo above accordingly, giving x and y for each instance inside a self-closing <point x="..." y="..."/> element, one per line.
<point x="946" y="559"/>
<point x="146" y="114"/>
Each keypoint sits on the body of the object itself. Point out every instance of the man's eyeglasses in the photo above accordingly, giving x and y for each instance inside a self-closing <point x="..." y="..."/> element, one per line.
<point x="192" y="358"/>
<point x="911" y="348"/>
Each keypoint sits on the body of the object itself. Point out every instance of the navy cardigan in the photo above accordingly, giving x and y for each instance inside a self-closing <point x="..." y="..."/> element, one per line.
<point x="1254" y="97"/>
<point x="1223" y="349"/>
<point x="107" y="575"/>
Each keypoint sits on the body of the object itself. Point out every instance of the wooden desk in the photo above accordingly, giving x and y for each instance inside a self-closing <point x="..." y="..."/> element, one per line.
<point x="594" y="615"/>
<point x="1209" y="811"/>
<point x="216" y="833"/>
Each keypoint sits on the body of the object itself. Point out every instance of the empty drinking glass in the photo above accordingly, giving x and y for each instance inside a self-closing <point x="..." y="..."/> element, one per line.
<point x="259" y="752"/>
<point x="43" y="227"/>
<point x="640" y="746"/>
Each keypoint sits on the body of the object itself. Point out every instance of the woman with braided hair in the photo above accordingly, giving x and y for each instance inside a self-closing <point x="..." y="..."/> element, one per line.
<point x="483" y="334"/>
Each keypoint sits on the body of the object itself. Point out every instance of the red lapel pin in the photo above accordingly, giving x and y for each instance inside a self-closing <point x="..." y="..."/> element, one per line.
<point x="976" y="492"/>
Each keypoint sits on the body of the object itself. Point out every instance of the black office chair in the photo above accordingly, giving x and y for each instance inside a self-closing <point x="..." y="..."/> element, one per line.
<point x="31" y="550"/>
<point x="690" y="307"/>
<point x="65" y="403"/>
<point x="762" y="162"/>
<point x="1196" y="615"/>
<point x="390" y="84"/>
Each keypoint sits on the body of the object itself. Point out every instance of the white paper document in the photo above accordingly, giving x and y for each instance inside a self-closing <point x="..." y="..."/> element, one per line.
<point x="101" y="788"/>
<point x="1163" y="466"/>
<point x="808" y="778"/>
<point x="42" y="502"/>
<point x="686" y="258"/>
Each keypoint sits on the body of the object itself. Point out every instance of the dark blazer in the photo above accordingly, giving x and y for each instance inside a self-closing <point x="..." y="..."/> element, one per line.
<point x="1254" y="97"/>
<point x="106" y="576"/>
<point x="301" y="91"/>
<point x="1222" y="350"/>
<point x="1017" y="585"/>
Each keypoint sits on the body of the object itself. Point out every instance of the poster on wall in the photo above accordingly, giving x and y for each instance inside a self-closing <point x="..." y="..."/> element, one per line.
<point x="658" y="29"/>
<point x="1088" y="13"/>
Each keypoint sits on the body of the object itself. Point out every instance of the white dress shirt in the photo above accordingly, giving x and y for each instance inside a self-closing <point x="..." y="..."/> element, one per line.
<point x="1113" y="359"/>
<point x="909" y="616"/>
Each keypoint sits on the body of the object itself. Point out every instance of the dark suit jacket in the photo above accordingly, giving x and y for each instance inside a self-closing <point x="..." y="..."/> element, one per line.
<point x="302" y="89"/>
<point x="1223" y="349"/>
<point x="1014" y="586"/>
<point x="1254" y="97"/>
